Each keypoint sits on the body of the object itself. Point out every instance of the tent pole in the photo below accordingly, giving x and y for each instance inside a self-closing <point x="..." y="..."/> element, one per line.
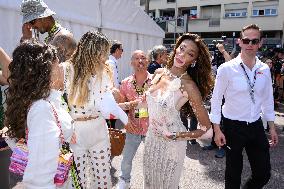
<point x="101" y="16"/>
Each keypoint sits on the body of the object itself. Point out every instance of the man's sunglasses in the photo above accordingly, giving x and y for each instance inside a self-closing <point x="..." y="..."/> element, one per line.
<point x="32" y="22"/>
<point x="253" y="41"/>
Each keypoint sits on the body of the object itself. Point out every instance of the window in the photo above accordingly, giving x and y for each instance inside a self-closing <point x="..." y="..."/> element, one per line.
<point x="264" y="12"/>
<point x="235" y="13"/>
<point x="271" y="12"/>
<point x="171" y="1"/>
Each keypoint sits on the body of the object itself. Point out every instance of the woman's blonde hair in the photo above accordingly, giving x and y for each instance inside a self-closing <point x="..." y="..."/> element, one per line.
<point x="92" y="49"/>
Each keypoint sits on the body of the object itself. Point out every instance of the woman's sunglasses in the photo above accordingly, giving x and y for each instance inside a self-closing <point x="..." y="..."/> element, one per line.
<point x="253" y="41"/>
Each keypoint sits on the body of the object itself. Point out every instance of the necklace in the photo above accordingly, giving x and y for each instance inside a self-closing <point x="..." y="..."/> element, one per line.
<point x="250" y="84"/>
<point x="53" y="31"/>
<point x="140" y="90"/>
<point x="169" y="73"/>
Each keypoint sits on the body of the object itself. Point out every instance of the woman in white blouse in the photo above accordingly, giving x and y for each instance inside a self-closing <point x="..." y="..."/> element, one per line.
<point x="88" y="83"/>
<point x="33" y="91"/>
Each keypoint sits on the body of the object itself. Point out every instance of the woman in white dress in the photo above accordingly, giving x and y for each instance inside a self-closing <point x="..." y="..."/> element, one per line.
<point x="182" y="87"/>
<point x="32" y="94"/>
<point x="87" y="81"/>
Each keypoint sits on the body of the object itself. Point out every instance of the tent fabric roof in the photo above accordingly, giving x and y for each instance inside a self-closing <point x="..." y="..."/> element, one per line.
<point x="119" y="19"/>
<point x="120" y="15"/>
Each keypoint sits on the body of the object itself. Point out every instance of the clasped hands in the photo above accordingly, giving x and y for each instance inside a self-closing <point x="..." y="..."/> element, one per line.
<point x="160" y="130"/>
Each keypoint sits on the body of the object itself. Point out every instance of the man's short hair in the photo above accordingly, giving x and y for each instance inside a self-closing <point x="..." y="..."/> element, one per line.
<point x="34" y="9"/>
<point x="251" y="26"/>
<point x="115" y="45"/>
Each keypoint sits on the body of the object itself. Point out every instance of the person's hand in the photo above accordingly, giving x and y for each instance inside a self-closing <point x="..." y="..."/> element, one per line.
<point x="135" y="103"/>
<point x="219" y="138"/>
<point x="160" y="131"/>
<point x="274" y="137"/>
<point x="27" y="31"/>
<point x="220" y="47"/>
<point x="116" y="94"/>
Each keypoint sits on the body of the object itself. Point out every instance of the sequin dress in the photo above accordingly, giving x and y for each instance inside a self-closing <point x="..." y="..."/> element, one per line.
<point x="163" y="159"/>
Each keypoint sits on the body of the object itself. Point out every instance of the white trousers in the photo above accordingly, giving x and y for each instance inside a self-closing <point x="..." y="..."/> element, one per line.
<point x="92" y="153"/>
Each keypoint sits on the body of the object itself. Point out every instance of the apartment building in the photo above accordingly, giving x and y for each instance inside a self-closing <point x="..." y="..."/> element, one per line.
<point x="215" y="18"/>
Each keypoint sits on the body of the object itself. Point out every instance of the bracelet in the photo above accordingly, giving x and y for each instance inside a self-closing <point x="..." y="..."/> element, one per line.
<point x="174" y="136"/>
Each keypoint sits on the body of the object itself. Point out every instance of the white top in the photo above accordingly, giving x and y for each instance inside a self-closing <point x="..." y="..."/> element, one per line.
<point x="113" y="64"/>
<point x="231" y="82"/>
<point x="100" y="102"/>
<point x="43" y="141"/>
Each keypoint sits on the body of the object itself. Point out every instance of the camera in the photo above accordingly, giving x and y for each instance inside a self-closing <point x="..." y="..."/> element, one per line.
<point x="218" y="57"/>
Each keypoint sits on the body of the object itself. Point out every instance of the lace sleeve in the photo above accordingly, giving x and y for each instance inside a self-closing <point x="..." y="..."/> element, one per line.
<point x="200" y="112"/>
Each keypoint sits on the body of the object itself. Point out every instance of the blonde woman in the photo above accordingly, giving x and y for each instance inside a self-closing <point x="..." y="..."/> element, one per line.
<point x="87" y="81"/>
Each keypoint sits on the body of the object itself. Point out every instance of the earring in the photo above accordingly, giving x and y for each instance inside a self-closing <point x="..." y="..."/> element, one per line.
<point x="193" y="64"/>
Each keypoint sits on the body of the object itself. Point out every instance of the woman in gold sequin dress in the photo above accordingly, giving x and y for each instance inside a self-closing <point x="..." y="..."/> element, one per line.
<point x="182" y="87"/>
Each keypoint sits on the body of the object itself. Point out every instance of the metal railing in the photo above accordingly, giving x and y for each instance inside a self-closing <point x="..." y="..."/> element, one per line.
<point x="213" y="22"/>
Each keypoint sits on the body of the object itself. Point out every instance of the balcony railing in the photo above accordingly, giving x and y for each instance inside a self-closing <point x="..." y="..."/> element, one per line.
<point x="214" y="22"/>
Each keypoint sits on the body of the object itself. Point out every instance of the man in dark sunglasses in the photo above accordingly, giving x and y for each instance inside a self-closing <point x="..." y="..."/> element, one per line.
<point x="250" y="41"/>
<point x="245" y="83"/>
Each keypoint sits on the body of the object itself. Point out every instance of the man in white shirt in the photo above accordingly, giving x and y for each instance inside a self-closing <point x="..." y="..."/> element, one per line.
<point x="116" y="51"/>
<point x="246" y="85"/>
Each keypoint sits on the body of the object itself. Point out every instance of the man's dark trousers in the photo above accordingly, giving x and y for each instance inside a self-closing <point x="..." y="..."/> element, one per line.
<point x="251" y="136"/>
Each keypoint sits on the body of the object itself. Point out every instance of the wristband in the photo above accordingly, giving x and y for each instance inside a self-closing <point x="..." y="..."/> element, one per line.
<point x="174" y="136"/>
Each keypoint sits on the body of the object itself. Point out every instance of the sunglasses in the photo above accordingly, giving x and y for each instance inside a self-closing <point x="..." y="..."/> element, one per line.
<point x="32" y="22"/>
<point x="253" y="41"/>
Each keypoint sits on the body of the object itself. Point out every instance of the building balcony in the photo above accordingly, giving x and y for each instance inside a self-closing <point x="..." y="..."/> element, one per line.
<point x="233" y="24"/>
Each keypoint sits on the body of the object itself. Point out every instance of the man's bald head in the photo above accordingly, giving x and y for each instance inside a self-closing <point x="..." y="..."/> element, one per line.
<point x="65" y="45"/>
<point x="139" y="61"/>
<point x="136" y="53"/>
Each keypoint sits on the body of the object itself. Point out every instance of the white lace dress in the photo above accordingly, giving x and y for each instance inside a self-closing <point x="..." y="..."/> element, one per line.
<point x="163" y="159"/>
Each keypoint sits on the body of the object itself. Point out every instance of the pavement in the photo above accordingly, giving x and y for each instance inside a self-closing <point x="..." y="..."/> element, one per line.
<point x="203" y="171"/>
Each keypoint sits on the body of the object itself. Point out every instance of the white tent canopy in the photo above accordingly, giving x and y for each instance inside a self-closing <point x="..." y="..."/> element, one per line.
<point x="122" y="20"/>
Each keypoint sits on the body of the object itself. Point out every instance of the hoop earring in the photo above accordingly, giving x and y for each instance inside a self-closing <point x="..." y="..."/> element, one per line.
<point x="193" y="64"/>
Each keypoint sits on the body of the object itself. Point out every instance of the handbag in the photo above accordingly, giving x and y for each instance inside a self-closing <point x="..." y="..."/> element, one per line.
<point x="19" y="158"/>
<point x="117" y="141"/>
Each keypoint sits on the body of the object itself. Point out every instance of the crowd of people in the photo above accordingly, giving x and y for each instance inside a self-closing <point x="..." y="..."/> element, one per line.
<point x="61" y="90"/>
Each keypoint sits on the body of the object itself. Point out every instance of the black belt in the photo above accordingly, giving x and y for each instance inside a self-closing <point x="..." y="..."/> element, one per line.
<point x="242" y="123"/>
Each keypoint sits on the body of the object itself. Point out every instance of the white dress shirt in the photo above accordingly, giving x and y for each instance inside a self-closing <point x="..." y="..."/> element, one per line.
<point x="113" y="64"/>
<point x="43" y="141"/>
<point x="231" y="82"/>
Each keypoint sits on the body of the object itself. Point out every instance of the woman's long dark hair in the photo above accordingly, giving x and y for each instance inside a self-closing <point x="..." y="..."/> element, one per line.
<point x="201" y="73"/>
<point x="29" y="80"/>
